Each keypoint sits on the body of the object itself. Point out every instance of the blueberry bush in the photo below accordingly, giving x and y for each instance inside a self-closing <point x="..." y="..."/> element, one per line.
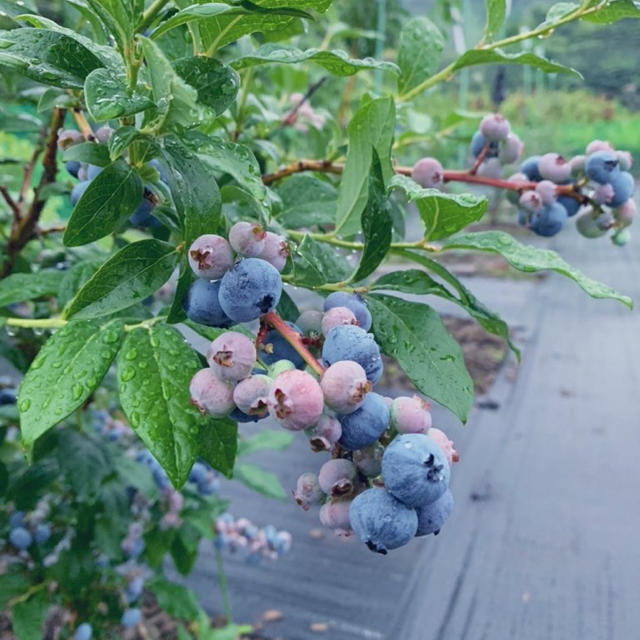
<point x="185" y="173"/>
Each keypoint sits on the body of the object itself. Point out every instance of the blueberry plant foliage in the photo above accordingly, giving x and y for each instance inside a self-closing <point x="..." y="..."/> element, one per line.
<point x="206" y="189"/>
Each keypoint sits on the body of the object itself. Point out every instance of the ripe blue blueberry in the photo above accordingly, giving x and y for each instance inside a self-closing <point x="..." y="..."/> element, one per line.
<point x="530" y="168"/>
<point x="198" y="473"/>
<point x="202" y="304"/>
<point x="93" y="171"/>
<point x="20" y="538"/>
<point x="349" y="342"/>
<point x="382" y="522"/>
<point x="549" y="221"/>
<point x="42" y="533"/>
<point x="623" y="187"/>
<point x="415" y="469"/>
<point x="275" y="347"/>
<point x="83" y="632"/>
<point x="478" y="141"/>
<point x="240" y="416"/>
<point x="365" y="425"/>
<point x="134" y="589"/>
<point x="142" y="216"/>
<point x="78" y="190"/>
<point x="570" y="204"/>
<point x="251" y="288"/>
<point x="601" y="166"/>
<point x="432" y="516"/>
<point x="72" y="167"/>
<point x="16" y="519"/>
<point x="353" y="302"/>
<point x="130" y="618"/>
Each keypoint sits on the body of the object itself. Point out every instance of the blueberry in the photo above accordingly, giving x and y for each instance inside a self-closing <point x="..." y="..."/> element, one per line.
<point x="325" y="433"/>
<point x="210" y="256"/>
<point x="202" y="304"/>
<point x="142" y="216"/>
<point x="251" y="395"/>
<point x="494" y="127"/>
<point x="335" y="515"/>
<point x="337" y="477"/>
<point x="415" y="470"/>
<point x="78" y="190"/>
<point x="530" y="168"/>
<point x="531" y="201"/>
<point x="432" y="516"/>
<point x="72" y="167"/>
<point x="134" y="589"/>
<point x="239" y="416"/>
<point x="549" y="221"/>
<point x="381" y="521"/>
<point x="275" y="347"/>
<point x="601" y="166"/>
<point x="250" y="289"/>
<point x="626" y="213"/>
<point x="130" y="618"/>
<point x="103" y="134"/>
<point x="570" y="204"/>
<point x="198" y="473"/>
<point x="8" y="396"/>
<point x="42" y="533"/>
<point x="83" y="632"/>
<point x="621" y="237"/>
<point x="308" y="491"/>
<point x="295" y="400"/>
<point x="410" y="415"/>
<point x="310" y="321"/>
<point x="345" y="386"/>
<point x="547" y="191"/>
<point x="231" y="356"/>
<point x="348" y="342"/>
<point x="554" y="167"/>
<point x="20" y="538"/>
<point x="336" y="316"/>
<point x="247" y="238"/>
<point x="369" y="460"/>
<point x="93" y="171"/>
<point x="428" y="173"/>
<point x="511" y="149"/>
<point x="588" y="226"/>
<point x="68" y="137"/>
<point x="478" y="142"/>
<point x="598" y="145"/>
<point x="352" y="301"/>
<point x="211" y="395"/>
<point x="16" y="519"/>
<point x="275" y="251"/>
<point x="160" y="169"/>
<point x="623" y="187"/>
<point x="365" y="425"/>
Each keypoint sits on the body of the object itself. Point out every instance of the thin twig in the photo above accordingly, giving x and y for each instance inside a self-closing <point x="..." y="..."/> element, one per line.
<point x="28" y="170"/>
<point x="479" y="159"/>
<point x="11" y="202"/>
<point x="83" y="125"/>
<point x="289" y="119"/>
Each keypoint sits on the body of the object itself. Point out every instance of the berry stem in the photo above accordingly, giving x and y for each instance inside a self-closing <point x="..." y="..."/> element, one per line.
<point x="295" y="340"/>
<point x="479" y="160"/>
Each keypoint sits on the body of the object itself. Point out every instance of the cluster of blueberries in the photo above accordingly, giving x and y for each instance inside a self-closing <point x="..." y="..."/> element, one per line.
<point x="85" y="173"/>
<point x="385" y="495"/>
<point x="26" y="530"/>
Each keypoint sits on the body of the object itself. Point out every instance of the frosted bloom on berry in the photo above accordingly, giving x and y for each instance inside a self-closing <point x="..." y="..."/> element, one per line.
<point x="626" y="213"/>
<point x="369" y="460"/>
<point x="531" y="201"/>
<point x="337" y="477"/>
<point x="247" y="238"/>
<point x="335" y="317"/>
<point x="625" y="160"/>
<point x="345" y="386"/>
<point x="275" y="251"/>
<point x="365" y="425"/>
<point x="335" y="515"/>
<point x="295" y="400"/>
<point x="511" y="149"/>
<point x="310" y="321"/>
<point x="604" y="194"/>
<point x="325" y="433"/>
<point x="231" y="356"/>
<point x="547" y="191"/>
<point x="352" y="301"/>
<point x="554" y="167"/>
<point x="432" y="517"/>
<point x="308" y="491"/>
<point x="210" y="256"/>
<point x="441" y="439"/>
<point x="251" y="394"/>
<point x="577" y="164"/>
<point x="428" y="173"/>
<point x="490" y="168"/>
<point x="494" y="127"/>
<point x="210" y="394"/>
<point x="598" y="145"/>
<point x="410" y="415"/>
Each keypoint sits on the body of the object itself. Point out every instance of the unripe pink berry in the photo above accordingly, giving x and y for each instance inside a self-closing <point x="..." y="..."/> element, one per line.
<point x="276" y="250"/>
<point x="598" y="145"/>
<point x="490" y="168"/>
<point x="335" y="317"/>
<point x="511" y="149"/>
<point x="494" y="127"/>
<point x="325" y="433"/>
<point x="251" y="395"/>
<point x="604" y="194"/>
<point x="210" y="256"/>
<point x="369" y="460"/>
<point x="308" y="491"/>
<point x="310" y="321"/>
<point x="247" y="238"/>
<point x="410" y="415"/>
<point x="625" y="213"/>
<point x="428" y="173"/>
<point x="531" y="201"/>
<point x="625" y="160"/>
<point x="577" y="164"/>
<point x="554" y="167"/>
<point x="547" y="191"/>
<point x="335" y="515"/>
<point x="231" y="356"/>
<point x="210" y="394"/>
<point x="337" y="477"/>
<point x="345" y="385"/>
<point x="295" y="400"/>
<point x="445" y="444"/>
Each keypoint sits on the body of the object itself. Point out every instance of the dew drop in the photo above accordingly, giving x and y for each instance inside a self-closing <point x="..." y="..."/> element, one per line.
<point x="24" y="405"/>
<point x="128" y="374"/>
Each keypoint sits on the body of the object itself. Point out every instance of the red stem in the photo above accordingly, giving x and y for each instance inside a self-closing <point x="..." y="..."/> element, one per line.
<point x="479" y="159"/>
<point x="294" y="339"/>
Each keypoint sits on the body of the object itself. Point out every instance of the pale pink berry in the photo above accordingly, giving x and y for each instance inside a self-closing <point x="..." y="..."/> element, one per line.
<point x="554" y="167"/>
<point x="511" y="149"/>
<point x="369" y="459"/>
<point x="531" y="201"/>
<point x="335" y="317"/>
<point x="295" y="400"/>
<point x="251" y="395"/>
<point x="604" y="194"/>
<point x="276" y="251"/>
<point x="428" y="173"/>
<point x="337" y="477"/>
<point x="310" y="321"/>
<point x="598" y="145"/>
<point x="577" y="164"/>
<point x="410" y="415"/>
<point x="547" y="191"/>
<point x="210" y="394"/>
<point x="325" y="433"/>
<point x="494" y="127"/>
<point x="247" y="238"/>
<point x="210" y="256"/>
<point x="308" y="491"/>
<point x="490" y="168"/>
<point x="625" y="213"/>
<point x="345" y="385"/>
<point x="335" y="515"/>
<point x="445" y="444"/>
<point x="625" y="160"/>
<point x="232" y="356"/>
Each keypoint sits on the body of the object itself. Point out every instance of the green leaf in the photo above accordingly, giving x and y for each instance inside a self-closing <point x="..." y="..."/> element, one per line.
<point x="90" y="152"/>
<point x="421" y="44"/>
<point x="121" y="139"/>
<point x="228" y="632"/>
<point x="74" y="278"/>
<point x="443" y="214"/>
<point x="19" y="287"/>
<point x="49" y="57"/>
<point x="336" y="62"/>
<point x="218" y="444"/>
<point x="307" y="201"/>
<point x="174" y="599"/>
<point x="194" y="13"/>
<point x="28" y="617"/>
<point x="12" y="584"/>
<point x="497" y="56"/>
<point x="216" y="83"/>
<point x="287" y="308"/>
<point x="615" y="10"/>
<point x="376" y="224"/>
<point x="496" y="11"/>
<point x="265" y="439"/>
<point x="135" y="272"/>
<point x="112" y="196"/>
<point x="557" y="11"/>
<point x="119" y="16"/>
<point x="529" y="259"/>
<point x="259" y="480"/>
<point x="414" y="335"/>
<point x="68" y="368"/>
<point x="371" y="127"/>
<point x="318" y="263"/>
<point x="155" y="368"/>
<point x="31" y="482"/>
<point x="107" y="96"/>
